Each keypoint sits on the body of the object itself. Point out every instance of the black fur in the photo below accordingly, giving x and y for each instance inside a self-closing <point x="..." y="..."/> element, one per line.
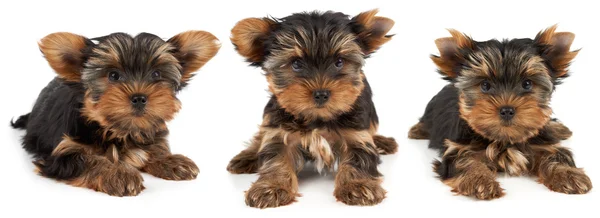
<point x="21" y="122"/>
<point x="442" y="120"/>
<point x="55" y="114"/>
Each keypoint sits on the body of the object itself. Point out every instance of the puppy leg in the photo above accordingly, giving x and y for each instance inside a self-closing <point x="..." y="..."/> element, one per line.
<point x="555" y="168"/>
<point x="385" y="145"/>
<point x="162" y="164"/>
<point x="246" y="162"/>
<point x="277" y="184"/>
<point x="467" y="172"/>
<point x="418" y="131"/>
<point x="77" y="165"/>
<point x="559" y="130"/>
<point x="358" y="181"/>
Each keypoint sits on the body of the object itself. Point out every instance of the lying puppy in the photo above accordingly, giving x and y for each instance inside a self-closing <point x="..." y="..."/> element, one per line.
<point x="494" y="116"/>
<point x="102" y="120"/>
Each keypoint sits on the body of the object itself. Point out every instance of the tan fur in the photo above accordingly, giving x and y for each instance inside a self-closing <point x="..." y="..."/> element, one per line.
<point x="247" y="36"/>
<point x="112" y="154"/>
<point x="475" y="178"/>
<point x="385" y="145"/>
<point x="376" y="28"/>
<point x="278" y="182"/>
<point x="354" y="187"/>
<point x="247" y="161"/>
<point x="162" y="104"/>
<point x="161" y="163"/>
<point x="69" y="146"/>
<point x="194" y="48"/>
<point x="63" y="52"/>
<point x="478" y="182"/>
<point x="115" y="170"/>
<point x="527" y="122"/>
<point x="418" y="131"/>
<point x="555" y="172"/>
<point x="135" y="157"/>
<point x="297" y="98"/>
<point x="559" y="130"/>
<point x="560" y="44"/>
<point x="113" y="179"/>
<point x="448" y="48"/>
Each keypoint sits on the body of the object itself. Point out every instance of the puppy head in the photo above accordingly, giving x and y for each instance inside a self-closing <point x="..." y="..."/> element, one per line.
<point x="313" y="60"/>
<point x="506" y="86"/>
<point x="131" y="81"/>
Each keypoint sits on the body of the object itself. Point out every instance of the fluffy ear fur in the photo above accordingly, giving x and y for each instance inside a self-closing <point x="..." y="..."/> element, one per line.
<point x="64" y="53"/>
<point x="555" y="50"/>
<point x="449" y="61"/>
<point x="248" y="37"/>
<point x="372" y="30"/>
<point x="193" y="49"/>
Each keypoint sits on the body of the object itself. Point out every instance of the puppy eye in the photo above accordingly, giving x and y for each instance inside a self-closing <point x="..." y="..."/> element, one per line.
<point x="156" y="74"/>
<point x="527" y="85"/>
<point x="296" y="66"/>
<point x="486" y="86"/>
<point x="339" y="63"/>
<point x="114" y="76"/>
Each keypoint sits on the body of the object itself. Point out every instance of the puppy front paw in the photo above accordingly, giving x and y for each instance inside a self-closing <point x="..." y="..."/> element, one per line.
<point x="119" y="181"/>
<point x="482" y="187"/>
<point x="364" y="192"/>
<point x="569" y="180"/>
<point x="263" y="195"/>
<point x="418" y="131"/>
<point x="559" y="130"/>
<point x="385" y="145"/>
<point x="243" y="163"/>
<point x="173" y="167"/>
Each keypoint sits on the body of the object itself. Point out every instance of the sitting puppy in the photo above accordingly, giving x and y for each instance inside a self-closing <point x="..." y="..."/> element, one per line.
<point x="494" y="116"/>
<point x="102" y="120"/>
<point x="320" y="109"/>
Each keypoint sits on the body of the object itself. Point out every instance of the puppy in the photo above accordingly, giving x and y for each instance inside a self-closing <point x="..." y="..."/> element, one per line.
<point x="494" y="116"/>
<point x="102" y="120"/>
<point x="320" y="110"/>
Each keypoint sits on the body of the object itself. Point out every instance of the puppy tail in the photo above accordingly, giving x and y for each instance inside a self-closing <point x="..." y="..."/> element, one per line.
<point x="21" y="123"/>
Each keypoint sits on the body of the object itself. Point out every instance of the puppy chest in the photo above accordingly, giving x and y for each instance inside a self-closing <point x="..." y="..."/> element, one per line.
<point x="318" y="144"/>
<point x="513" y="160"/>
<point x="133" y="156"/>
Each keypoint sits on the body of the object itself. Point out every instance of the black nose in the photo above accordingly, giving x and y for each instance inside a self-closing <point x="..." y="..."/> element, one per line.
<point x="507" y="113"/>
<point x="321" y="96"/>
<point x="139" y="101"/>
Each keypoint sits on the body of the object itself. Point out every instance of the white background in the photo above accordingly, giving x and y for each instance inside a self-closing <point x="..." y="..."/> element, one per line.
<point x="223" y="105"/>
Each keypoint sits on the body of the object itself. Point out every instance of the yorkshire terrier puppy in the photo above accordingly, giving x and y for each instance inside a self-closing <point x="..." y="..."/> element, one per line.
<point x="102" y="120"/>
<point x="494" y="116"/>
<point x="320" y="109"/>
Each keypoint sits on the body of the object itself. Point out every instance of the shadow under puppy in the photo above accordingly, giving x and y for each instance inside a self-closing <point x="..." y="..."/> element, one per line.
<point x="102" y="120"/>
<point x="320" y="109"/>
<point x="494" y="116"/>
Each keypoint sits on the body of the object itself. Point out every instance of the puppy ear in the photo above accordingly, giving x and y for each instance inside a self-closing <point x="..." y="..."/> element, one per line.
<point x="556" y="49"/>
<point x="64" y="53"/>
<point x="248" y="37"/>
<point x="450" y="60"/>
<point x="193" y="49"/>
<point x="371" y="30"/>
